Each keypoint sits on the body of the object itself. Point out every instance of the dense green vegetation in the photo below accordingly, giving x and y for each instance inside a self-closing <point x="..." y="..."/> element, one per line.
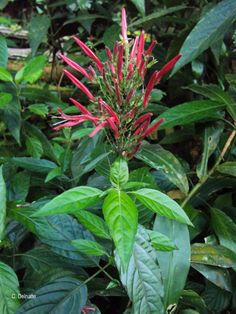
<point x="102" y="211"/>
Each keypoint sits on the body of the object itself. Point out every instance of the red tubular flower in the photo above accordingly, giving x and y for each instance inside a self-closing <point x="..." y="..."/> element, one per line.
<point x="73" y="120"/>
<point x="154" y="127"/>
<point x="168" y="67"/>
<point x="76" y="66"/>
<point x="134" y="48"/>
<point x="130" y="74"/>
<point x="131" y="113"/>
<point x="117" y="92"/>
<point x="98" y="128"/>
<point x="134" y="151"/>
<point x="148" y="52"/>
<point x="113" y="127"/>
<point x="79" y="84"/>
<point x="141" y="119"/>
<point x="115" y="49"/>
<point x="142" y="129"/>
<point x="108" y="109"/>
<point x="109" y="55"/>
<point x="140" y="48"/>
<point x="91" y="71"/>
<point x="124" y="25"/>
<point x="149" y="88"/>
<point x="129" y="95"/>
<point x="89" y="53"/>
<point x="80" y="107"/>
<point x="120" y="62"/>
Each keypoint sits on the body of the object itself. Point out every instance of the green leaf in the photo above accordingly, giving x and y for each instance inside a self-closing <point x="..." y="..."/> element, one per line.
<point x="161" y="242"/>
<point x="212" y="26"/>
<point x="210" y="142"/>
<point x="192" y="299"/>
<point x="190" y="112"/>
<point x="3" y="206"/>
<point x="176" y="262"/>
<point x="152" y="18"/>
<point x="140" y="5"/>
<point x="12" y="118"/>
<point x="38" y="29"/>
<point x="32" y="71"/>
<point x="56" y="172"/>
<point x="5" y="98"/>
<point x="89" y="247"/>
<point x="158" y="158"/>
<point x="34" y="164"/>
<point x="224" y="228"/>
<point x="39" y="109"/>
<point x="9" y="289"/>
<point x="162" y="204"/>
<point x="142" y="279"/>
<point x="57" y="297"/>
<point x="93" y="223"/>
<point x="211" y="91"/>
<point x="121" y="216"/>
<point x="5" y="75"/>
<point x="111" y="35"/>
<point x="119" y="173"/>
<point x="219" y="276"/>
<point x="228" y="167"/>
<point x="76" y="135"/>
<point x="3" y="52"/>
<point x="34" y="147"/>
<point x="215" y="255"/>
<point x="70" y="201"/>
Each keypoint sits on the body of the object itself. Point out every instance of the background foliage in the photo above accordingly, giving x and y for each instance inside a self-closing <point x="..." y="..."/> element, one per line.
<point x="67" y="259"/>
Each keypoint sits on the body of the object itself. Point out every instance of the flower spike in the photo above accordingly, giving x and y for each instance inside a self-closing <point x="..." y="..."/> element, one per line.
<point x="89" y="53"/>
<point x="79" y="84"/>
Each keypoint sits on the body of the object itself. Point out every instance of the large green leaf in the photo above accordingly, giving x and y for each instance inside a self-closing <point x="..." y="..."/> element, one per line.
<point x="190" y="112"/>
<point x="38" y="31"/>
<point x="159" y="158"/>
<point x="119" y="173"/>
<point x="121" y="216"/>
<point x="152" y="18"/>
<point x="12" y="118"/>
<point x="5" y="75"/>
<point x="57" y="297"/>
<point x="9" y="289"/>
<point x="89" y="247"/>
<point x="140" y="5"/>
<point x="70" y="201"/>
<point x="161" y="242"/>
<point x="224" y="228"/>
<point x="5" y="98"/>
<point x="2" y="205"/>
<point x="162" y="204"/>
<point x="3" y="52"/>
<point x="228" y="167"/>
<point x="34" y="164"/>
<point x="175" y="264"/>
<point x="219" y="276"/>
<point x="56" y="232"/>
<point x="212" y="26"/>
<point x="32" y="71"/>
<point x="142" y="279"/>
<point x="93" y="223"/>
<point x="215" y="255"/>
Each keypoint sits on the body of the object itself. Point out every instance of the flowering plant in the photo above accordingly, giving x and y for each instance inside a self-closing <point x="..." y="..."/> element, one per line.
<point x="123" y="96"/>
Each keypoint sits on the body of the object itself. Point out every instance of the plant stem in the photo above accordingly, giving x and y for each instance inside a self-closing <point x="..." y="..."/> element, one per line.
<point x="203" y="180"/>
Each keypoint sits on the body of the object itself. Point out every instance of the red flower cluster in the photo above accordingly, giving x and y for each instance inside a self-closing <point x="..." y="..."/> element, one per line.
<point x="123" y="98"/>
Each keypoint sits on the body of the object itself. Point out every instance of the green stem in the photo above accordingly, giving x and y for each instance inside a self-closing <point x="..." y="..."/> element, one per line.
<point x="204" y="179"/>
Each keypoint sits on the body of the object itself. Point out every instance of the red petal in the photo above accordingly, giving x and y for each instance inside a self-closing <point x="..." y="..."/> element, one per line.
<point x="80" y="107"/>
<point x="98" y="128"/>
<point x="168" y="67"/>
<point x="124" y="25"/>
<point x="75" y="66"/>
<point x="79" y="84"/>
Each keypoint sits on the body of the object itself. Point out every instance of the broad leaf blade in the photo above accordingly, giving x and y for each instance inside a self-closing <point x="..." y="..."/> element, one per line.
<point x="57" y="297"/>
<point x="89" y="247"/>
<point x="162" y="204"/>
<point x="173" y="263"/>
<point x="158" y="158"/>
<point x="208" y="30"/>
<point x="190" y="112"/>
<point x="3" y="208"/>
<point x="9" y="289"/>
<point x="70" y="201"/>
<point x="121" y="216"/>
<point x="142" y="279"/>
